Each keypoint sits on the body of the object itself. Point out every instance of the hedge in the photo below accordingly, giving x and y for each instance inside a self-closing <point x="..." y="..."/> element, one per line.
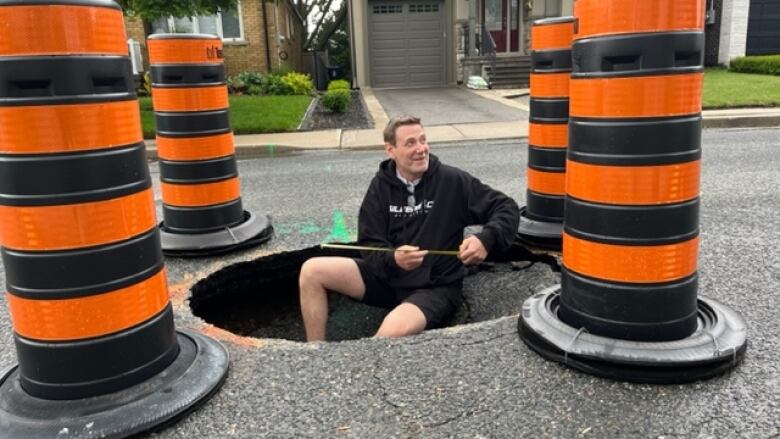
<point x="765" y="64"/>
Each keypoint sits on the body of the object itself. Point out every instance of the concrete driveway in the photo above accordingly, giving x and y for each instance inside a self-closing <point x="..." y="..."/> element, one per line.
<point x="446" y="106"/>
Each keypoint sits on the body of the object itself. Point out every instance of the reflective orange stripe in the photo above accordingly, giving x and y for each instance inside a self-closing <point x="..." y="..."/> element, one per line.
<point x="628" y="263"/>
<point x="185" y="50"/>
<point x="190" y="99"/>
<point x="195" y="148"/>
<point x="201" y="194"/>
<point x="61" y="128"/>
<point x="552" y="183"/>
<point x="91" y="316"/>
<point x="548" y="135"/>
<point x="552" y="36"/>
<point x="633" y="185"/>
<point x="550" y="85"/>
<point x="61" y="30"/>
<point x="603" y="17"/>
<point x="76" y="225"/>
<point x="641" y="96"/>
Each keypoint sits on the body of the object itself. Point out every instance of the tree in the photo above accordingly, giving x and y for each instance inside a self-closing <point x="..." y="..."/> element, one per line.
<point x="149" y="10"/>
<point x="322" y="13"/>
<point x="333" y="35"/>
<point x="326" y="30"/>
<point x="338" y="49"/>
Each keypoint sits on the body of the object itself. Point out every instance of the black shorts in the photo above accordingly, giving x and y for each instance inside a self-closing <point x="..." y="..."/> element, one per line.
<point x="437" y="303"/>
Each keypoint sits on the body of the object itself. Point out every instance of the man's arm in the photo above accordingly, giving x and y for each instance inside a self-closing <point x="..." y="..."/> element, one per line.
<point x="372" y="231"/>
<point x="498" y="214"/>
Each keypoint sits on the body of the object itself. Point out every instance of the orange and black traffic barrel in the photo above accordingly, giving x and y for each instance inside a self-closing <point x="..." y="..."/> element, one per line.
<point x="202" y="209"/>
<point x="86" y="282"/>
<point x="627" y="305"/>
<point x="541" y="220"/>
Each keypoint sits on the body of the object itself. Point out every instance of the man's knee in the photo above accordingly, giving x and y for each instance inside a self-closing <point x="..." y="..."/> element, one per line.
<point x="405" y="319"/>
<point x="336" y="274"/>
<point x="310" y="272"/>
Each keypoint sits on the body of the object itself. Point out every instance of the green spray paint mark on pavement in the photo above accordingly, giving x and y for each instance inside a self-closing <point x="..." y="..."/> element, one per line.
<point x="309" y="228"/>
<point x="339" y="231"/>
<point x="306" y="227"/>
<point x="271" y="149"/>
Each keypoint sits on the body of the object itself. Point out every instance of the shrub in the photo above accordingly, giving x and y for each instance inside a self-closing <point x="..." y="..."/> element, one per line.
<point x="254" y="90"/>
<point x="253" y="83"/>
<point x="145" y="87"/>
<point x="235" y="85"/>
<point x="767" y="65"/>
<point x="245" y="82"/>
<point x="338" y="84"/>
<point x="273" y="85"/>
<point x="337" y="100"/>
<point x="299" y="83"/>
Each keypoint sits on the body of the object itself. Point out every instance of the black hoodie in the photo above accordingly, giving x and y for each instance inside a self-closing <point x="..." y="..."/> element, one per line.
<point x="447" y="200"/>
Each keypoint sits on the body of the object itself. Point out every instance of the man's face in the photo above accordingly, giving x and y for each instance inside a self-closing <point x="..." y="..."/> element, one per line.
<point x="410" y="151"/>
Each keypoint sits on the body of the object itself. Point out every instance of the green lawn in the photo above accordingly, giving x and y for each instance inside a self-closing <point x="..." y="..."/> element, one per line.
<point x="724" y="89"/>
<point x="249" y="114"/>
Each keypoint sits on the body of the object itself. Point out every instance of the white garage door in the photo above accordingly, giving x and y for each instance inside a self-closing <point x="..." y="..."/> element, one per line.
<point x="406" y="43"/>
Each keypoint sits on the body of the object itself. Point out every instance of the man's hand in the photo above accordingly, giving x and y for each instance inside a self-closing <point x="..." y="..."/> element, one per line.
<point x="409" y="257"/>
<point x="471" y="251"/>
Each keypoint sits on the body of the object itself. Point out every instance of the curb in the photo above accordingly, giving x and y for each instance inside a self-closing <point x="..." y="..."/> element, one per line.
<point x="741" y="122"/>
<point x="309" y="110"/>
<point x="264" y="150"/>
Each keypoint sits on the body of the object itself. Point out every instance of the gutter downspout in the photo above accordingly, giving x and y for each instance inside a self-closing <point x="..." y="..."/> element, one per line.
<point x="276" y="28"/>
<point x="267" y="41"/>
<point x="351" y="43"/>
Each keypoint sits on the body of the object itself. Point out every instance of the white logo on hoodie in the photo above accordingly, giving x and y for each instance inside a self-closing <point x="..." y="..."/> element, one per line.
<point x="423" y="207"/>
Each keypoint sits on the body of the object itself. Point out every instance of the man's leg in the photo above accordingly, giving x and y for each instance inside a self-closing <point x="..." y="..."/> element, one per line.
<point x="424" y="308"/>
<point x="318" y="275"/>
<point x="405" y="319"/>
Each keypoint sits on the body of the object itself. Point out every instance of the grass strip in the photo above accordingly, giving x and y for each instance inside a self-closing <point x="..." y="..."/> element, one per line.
<point x="248" y="114"/>
<point x="725" y="89"/>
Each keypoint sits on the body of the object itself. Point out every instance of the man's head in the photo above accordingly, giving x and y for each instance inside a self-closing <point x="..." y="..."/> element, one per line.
<point x="407" y="146"/>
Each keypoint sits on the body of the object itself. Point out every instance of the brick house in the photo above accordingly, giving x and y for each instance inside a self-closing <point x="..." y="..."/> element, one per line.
<point x="430" y="43"/>
<point x="258" y="35"/>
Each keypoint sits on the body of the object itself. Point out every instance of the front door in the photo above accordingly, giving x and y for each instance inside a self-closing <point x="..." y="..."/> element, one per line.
<point x="502" y="20"/>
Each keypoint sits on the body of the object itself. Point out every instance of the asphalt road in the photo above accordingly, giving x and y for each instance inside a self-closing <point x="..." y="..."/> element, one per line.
<point x="478" y="380"/>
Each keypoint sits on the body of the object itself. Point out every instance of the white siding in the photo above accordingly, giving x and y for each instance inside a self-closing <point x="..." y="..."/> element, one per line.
<point x="733" y="30"/>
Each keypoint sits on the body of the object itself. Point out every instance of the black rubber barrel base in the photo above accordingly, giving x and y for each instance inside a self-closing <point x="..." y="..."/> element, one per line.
<point x="539" y="234"/>
<point x="197" y="374"/>
<point x="253" y="231"/>
<point x="718" y="345"/>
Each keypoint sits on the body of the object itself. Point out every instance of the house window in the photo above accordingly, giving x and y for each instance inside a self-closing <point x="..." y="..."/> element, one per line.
<point x="388" y="9"/>
<point x="423" y="8"/>
<point x="227" y="24"/>
<point x="494" y="11"/>
<point x="547" y="8"/>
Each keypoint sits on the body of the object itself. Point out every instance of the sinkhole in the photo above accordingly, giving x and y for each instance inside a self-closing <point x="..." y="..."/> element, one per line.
<point x="259" y="298"/>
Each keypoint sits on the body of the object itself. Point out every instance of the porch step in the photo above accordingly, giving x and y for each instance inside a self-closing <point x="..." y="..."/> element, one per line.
<point x="510" y="72"/>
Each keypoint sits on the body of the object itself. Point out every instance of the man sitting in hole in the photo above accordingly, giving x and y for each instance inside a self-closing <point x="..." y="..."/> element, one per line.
<point x="414" y="203"/>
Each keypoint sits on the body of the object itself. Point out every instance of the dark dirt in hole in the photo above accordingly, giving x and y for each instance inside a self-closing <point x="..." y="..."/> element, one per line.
<point x="260" y="298"/>
<point x="321" y="118"/>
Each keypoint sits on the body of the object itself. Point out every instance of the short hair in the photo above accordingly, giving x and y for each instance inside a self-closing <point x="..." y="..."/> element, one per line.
<point x="395" y="122"/>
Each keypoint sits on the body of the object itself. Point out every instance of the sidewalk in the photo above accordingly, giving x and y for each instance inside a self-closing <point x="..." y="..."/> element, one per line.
<point x="254" y="145"/>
